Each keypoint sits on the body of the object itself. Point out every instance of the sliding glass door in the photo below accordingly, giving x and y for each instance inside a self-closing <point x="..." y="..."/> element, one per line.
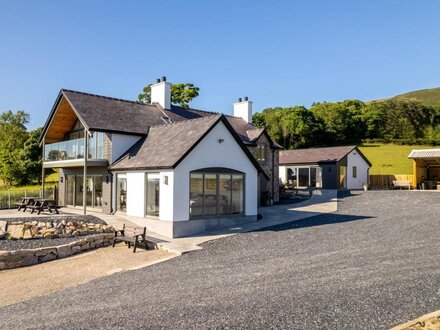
<point x="121" y="192"/>
<point x="216" y="194"/>
<point x="75" y="188"/>
<point x="152" y="194"/>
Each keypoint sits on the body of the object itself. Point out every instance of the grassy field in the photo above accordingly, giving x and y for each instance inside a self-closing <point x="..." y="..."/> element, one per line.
<point x="50" y="181"/>
<point x="390" y="158"/>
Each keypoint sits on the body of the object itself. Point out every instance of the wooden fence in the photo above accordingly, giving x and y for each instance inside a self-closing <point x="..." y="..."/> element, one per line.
<point x="386" y="181"/>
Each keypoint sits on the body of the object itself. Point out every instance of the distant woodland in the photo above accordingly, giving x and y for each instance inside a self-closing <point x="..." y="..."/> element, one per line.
<point x="352" y="122"/>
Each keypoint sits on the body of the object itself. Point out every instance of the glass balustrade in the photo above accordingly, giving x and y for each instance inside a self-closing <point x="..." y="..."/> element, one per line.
<point x="74" y="149"/>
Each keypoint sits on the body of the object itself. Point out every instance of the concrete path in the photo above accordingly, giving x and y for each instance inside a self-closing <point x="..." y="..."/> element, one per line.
<point x="321" y="202"/>
<point x="28" y="282"/>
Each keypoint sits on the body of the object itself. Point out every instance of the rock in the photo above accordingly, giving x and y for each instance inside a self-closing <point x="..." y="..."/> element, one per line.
<point x="44" y="251"/>
<point x="64" y="251"/>
<point x="76" y="249"/>
<point x="48" y="257"/>
<point x="2" y="234"/>
<point x="30" y="260"/>
<point x="16" y="230"/>
<point x="85" y="247"/>
<point x="3" y="225"/>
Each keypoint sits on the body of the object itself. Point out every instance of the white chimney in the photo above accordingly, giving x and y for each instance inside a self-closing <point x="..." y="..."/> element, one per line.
<point x="243" y="109"/>
<point x="161" y="93"/>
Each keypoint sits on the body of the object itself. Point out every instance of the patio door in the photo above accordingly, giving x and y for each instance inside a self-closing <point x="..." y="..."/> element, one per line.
<point x="152" y="194"/>
<point x="75" y="188"/>
<point x="70" y="190"/>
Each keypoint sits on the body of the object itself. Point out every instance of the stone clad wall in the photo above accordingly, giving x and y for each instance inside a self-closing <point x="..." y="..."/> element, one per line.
<point x="269" y="165"/>
<point x="22" y="258"/>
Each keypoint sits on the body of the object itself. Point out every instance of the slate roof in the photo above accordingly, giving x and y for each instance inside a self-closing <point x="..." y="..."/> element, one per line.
<point x="113" y="115"/>
<point x="424" y="154"/>
<point x="166" y="145"/>
<point x="107" y="114"/>
<point x="315" y="155"/>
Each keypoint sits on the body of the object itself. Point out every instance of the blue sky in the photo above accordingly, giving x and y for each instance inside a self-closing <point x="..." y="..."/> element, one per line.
<point x="279" y="53"/>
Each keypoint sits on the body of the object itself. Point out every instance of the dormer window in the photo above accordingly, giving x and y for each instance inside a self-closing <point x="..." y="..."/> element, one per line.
<point x="261" y="152"/>
<point x="167" y="120"/>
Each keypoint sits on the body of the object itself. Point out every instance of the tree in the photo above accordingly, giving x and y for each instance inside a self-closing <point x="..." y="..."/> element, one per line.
<point x="30" y="159"/>
<point x="343" y="120"/>
<point x="12" y="137"/>
<point x="181" y="94"/>
<point x="292" y="127"/>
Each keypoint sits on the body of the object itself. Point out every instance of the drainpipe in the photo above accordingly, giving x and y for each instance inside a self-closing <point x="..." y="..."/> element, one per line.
<point x="42" y="172"/>
<point x="273" y="175"/>
<point x="86" y="154"/>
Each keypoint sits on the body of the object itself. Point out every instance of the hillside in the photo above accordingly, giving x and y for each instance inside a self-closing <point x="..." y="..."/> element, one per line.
<point x="426" y="96"/>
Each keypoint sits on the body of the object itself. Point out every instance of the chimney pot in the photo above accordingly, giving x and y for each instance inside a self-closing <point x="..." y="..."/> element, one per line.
<point x="239" y="99"/>
<point x="164" y="78"/>
<point x="246" y="98"/>
<point x="158" y="80"/>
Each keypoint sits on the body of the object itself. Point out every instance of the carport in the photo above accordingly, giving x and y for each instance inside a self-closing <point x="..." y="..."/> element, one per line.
<point x="426" y="168"/>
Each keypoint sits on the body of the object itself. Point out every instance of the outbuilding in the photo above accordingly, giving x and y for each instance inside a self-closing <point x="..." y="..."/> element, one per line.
<point x="343" y="167"/>
<point x="426" y="168"/>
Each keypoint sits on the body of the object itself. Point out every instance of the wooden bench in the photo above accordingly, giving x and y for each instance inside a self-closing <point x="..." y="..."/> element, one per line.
<point x="402" y="184"/>
<point x="131" y="235"/>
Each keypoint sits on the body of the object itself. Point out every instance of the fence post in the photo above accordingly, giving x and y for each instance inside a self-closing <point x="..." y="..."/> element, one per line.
<point x="25" y="193"/>
<point x="9" y="198"/>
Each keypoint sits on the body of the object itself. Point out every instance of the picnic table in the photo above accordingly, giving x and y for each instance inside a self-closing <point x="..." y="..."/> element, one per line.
<point x="25" y="202"/>
<point x="41" y="204"/>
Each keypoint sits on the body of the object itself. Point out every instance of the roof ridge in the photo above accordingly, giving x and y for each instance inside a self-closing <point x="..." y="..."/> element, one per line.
<point x="193" y="109"/>
<point x="181" y="122"/>
<point x="102" y="96"/>
<point x="349" y="146"/>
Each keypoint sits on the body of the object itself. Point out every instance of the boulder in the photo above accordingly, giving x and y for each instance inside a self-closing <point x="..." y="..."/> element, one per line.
<point x="16" y="231"/>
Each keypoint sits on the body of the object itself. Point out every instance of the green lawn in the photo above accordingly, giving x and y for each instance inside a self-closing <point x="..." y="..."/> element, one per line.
<point x="51" y="179"/>
<point x="390" y="158"/>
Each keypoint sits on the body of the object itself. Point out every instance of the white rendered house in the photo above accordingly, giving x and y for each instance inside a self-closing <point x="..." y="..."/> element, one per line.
<point x="177" y="171"/>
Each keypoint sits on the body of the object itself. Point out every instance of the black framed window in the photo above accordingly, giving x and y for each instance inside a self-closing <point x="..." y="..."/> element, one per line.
<point x="261" y="152"/>
<point x="216" y="193"/>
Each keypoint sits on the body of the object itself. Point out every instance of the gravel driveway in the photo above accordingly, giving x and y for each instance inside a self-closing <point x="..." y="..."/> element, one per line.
<point x="373" y="264"/>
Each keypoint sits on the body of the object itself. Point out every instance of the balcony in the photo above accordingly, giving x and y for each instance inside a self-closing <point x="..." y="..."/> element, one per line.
<point x="72" y="152"/>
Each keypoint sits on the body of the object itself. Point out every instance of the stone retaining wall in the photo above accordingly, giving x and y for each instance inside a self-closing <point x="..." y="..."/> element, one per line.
<point x="22" y="258"/>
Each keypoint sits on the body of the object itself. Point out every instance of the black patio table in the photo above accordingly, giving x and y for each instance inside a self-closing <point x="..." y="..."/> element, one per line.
<point x="44" y="204"/>
<point x="26" y="202"/>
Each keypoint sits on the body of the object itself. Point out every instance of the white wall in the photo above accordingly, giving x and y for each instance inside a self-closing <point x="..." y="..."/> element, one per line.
<point x="121" y="143"/>
<point x="354" y="159"/>
<point x="136" y="194"/>
<point x="210" y="153"/>
<point x="283" y="174"/>
<point x="166" y="201"/>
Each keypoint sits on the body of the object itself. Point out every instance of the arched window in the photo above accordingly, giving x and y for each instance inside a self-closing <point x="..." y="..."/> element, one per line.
<point x="216" y="192"/>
